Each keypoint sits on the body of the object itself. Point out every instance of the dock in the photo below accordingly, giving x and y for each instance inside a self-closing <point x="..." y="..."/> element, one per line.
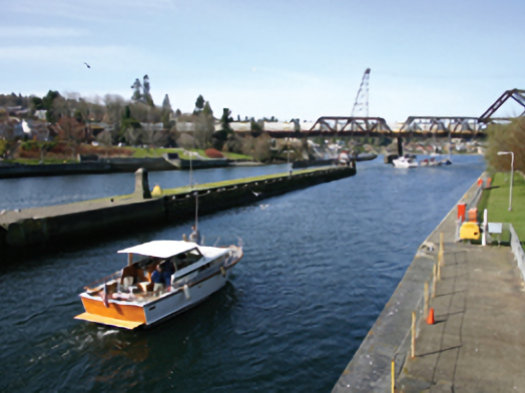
<point x="45" y="227"/>
<point x="476" y="341"/>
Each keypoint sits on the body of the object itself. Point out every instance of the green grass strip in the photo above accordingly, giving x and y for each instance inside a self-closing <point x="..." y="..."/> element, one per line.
<point x="496" y="201"/>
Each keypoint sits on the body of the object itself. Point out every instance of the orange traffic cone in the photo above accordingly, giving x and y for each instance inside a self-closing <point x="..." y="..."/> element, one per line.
<point x="430" y="318"/>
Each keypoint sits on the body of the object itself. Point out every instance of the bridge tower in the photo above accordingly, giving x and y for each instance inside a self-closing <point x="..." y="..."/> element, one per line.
<point x="361" y="100"/>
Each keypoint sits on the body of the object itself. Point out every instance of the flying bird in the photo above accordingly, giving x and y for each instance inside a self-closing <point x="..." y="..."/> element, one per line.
<point x="87" y="65"/>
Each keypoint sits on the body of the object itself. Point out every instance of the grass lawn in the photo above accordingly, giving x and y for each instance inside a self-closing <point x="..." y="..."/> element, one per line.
<point x="158" y="152"/>
<point x="496" y="201"/>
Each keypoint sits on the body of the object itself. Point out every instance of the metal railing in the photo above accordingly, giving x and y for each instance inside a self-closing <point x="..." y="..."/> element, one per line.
<point x="517" y="250"/>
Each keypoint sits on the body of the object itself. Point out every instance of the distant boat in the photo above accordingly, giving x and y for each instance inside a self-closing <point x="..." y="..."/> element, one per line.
<point x="129" y="298"/>
<point x="405" y="162"/>
<point x="433" y="161"/>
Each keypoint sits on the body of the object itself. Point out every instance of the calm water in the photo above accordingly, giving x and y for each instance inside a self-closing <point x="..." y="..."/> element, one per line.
<point x="319" y="266"/>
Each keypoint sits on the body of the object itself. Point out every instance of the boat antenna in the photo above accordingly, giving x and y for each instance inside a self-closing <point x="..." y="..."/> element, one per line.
<point x="196" y="193"/>
<point x="196" y="210"/>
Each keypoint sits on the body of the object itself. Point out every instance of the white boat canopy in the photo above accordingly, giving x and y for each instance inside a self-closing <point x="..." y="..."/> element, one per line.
<point x="160" y="248"/>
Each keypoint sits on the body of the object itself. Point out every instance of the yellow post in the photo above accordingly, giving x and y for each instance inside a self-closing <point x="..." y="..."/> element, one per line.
<point x="441" y="252"/>
<point x="438" y="269"/>
<point x="413" y="343"/>
<point x="434" y="281"/>
<point x="425" y="308"/>
<point x="393" y="376"/>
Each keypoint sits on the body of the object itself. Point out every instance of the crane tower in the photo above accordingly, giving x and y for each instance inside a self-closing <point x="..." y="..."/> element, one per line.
<point x="360" y="108"/>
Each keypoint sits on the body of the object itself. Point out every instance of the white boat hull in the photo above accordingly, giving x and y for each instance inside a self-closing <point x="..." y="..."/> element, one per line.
<point x="182" y="299"/>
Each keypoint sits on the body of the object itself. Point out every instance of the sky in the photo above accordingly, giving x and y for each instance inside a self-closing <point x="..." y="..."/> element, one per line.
<point x="289" y="59"/>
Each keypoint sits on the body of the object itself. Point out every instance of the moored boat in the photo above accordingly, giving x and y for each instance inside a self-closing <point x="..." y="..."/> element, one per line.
<point x="405" y="162"/>
<point x="169" y="277"/>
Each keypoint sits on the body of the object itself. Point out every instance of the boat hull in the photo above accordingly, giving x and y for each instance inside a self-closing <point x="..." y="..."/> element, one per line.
<point x="182" y="299"/>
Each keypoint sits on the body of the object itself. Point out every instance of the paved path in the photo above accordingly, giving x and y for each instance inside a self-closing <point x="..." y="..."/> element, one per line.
<point x="10" y="216"/>
<point x="478" y="341"/>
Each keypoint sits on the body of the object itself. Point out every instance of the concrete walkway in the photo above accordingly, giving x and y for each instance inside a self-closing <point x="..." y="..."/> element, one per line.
<point x="477" y="343"/>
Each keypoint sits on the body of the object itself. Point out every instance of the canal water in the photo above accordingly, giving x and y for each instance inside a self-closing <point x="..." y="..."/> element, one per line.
<point x="319" y="266"/>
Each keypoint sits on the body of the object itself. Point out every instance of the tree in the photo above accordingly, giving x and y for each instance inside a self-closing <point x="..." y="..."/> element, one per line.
<point x="166" y="106"/>
<point x="47" y="104"/>
<point x="220" y="137"/>
<point x="256" y="127"/>
<point x="114" y="110"/>
<point x="506" y="137"/>
<point x="130" y="129"/>
<point x="137" y="95"/>
<point x="166" y="112"/>
<point x="146" y="88"/>
<point x="258" y="148"/>
<point x="226" y="120"/>
<point x="199" y="104"/>
<point x="204" y="129"/>
<point x="71" y="132"/>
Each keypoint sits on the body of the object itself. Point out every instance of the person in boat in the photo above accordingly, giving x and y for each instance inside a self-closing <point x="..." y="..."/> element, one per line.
<point x="195" y="235"/>
<point x="167" y="270"/>
<point x="157" y="278"/>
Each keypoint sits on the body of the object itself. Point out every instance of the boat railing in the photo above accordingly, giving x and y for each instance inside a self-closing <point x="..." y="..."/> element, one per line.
<point x="96" y="284"/>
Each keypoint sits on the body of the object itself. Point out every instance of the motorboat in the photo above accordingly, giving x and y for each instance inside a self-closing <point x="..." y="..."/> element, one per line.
<point x="430" y="162"/>
<point x="435" y="161"/>
<point x="405" y="162"/>
<point x="135" y="297"/>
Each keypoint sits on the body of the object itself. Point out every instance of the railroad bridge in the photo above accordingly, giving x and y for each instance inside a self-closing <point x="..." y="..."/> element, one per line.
<point x="414" y="126"/>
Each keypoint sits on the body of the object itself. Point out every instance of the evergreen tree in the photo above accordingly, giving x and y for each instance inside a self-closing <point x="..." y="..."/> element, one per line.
<point x="166" y="106"/>
<point x="137" y="95"/>
<point x="199" y="104"/>
<point x="146" y="88"/>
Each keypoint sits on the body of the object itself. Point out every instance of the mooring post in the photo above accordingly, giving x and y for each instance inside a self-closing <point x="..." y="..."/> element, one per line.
<point x="141" y="183"/>
<point x="434" y="273"/>
<point x="393" y="376"/>
<point x="413" y="343"/>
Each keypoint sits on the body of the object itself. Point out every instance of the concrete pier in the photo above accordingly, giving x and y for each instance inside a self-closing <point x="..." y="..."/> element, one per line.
<point x="44" y="227"/>
<point x="476" y="343"/>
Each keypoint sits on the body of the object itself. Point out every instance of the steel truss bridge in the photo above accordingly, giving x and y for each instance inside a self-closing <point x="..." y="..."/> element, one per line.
<point x="414" y="126"/>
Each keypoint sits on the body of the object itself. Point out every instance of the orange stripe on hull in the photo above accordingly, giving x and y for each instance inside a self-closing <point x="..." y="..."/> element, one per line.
<point x="117" y="311"/>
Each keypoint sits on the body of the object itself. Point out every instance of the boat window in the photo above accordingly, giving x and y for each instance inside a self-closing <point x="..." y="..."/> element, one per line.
<point x="186" y="258"/>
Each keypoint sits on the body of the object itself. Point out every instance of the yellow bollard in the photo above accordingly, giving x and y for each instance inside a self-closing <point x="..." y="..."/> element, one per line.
<point x="157" y="191"/>
<point x="393" y="376"/>
<point x="413" y="343"/>
<point x="425" y="308"/>
<point x="434" y="281"/>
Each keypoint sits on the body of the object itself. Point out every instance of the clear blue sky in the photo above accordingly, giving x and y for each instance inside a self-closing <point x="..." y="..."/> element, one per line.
<point x="291" y="59"/>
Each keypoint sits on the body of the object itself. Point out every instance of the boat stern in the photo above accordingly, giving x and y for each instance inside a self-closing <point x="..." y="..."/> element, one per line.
<point x="128" y="316"/>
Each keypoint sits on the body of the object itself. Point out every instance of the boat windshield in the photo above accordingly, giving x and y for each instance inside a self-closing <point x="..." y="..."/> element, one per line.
<point x="186" y="258"/>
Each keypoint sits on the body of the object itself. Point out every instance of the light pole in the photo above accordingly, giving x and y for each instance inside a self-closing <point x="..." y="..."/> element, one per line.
<point x="502" y="153"/>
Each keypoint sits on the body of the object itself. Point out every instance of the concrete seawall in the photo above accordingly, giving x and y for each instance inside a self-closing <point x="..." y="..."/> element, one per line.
<point x="48" y="226"/>
<point x="81" y="168"/>
<point x="389" y="338"/>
